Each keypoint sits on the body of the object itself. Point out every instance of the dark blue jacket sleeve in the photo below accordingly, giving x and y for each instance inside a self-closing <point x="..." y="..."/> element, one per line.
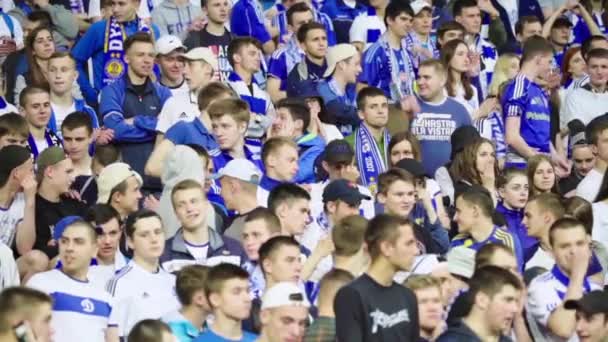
<point x="85" y="48"/>
<point x="113" y="117"/>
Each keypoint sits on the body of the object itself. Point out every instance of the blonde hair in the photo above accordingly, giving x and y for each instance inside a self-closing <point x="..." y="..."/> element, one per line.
<point x="500" y="72"/>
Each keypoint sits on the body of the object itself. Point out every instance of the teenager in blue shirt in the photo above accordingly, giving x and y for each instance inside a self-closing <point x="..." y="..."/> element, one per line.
<point x="104" y="43"/>
<point x="305" y="75"/>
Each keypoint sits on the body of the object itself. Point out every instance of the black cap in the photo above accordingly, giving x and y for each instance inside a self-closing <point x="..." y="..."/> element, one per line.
<point x="343" y="190"/>
<point x="592" y="124"/>
<point x="461" y="137"/>
<point x="12" y="156"/>
<point x="338" y="151"/>
<point x="577" y="132"/>
<point x="412" y="166"/>
<point x="561" y="22"/>
<point x="591" y="303"/>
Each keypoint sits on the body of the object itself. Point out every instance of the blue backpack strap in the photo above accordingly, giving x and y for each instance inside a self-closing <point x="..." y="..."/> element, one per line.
<point x="9" y="22"/>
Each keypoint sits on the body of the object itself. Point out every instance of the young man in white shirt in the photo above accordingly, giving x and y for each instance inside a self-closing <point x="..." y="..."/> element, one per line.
<point x="36" y="109"/>
<point x="227" y="288"/>
<point x="539" y="215"/>
<point x="169" y="51"/>
<point x="284" y="313"/>
<point x="567" y="280"/>
<point x="597" y="136"/>
<point x="142" y="289"/>
<point x="79" y="308"/>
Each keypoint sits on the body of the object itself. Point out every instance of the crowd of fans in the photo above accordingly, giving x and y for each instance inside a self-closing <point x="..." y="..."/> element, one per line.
<point x="305" y="170"/>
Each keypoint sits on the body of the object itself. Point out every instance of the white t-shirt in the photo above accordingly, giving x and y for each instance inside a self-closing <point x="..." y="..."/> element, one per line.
<point x="365" y="28"/>
<point x="10" y="217"/>
<point x="584" y="105"/>
<point x="199" y="252"/>
<point x="100" y="275"/>
<point x="600" y="222"/>
<point x="9" y="274"/>
<point x="542" y="259"/>
<point x="61" y="113"/>
<point x="590" y="185"/>
<point x="179" y="107"/>
<point x="182" y="89"/>
<point x="139" y="295"/>
<point x="9" y="108"/>
<point x="79" y="308"/>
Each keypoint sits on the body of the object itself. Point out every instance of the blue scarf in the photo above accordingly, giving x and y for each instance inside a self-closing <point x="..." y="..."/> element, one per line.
<point x="401" y="81"/>
<point x="114" y="66"/>
<point x="369" y="157"/>
<point x="51" y="140"/>
<point x="562" y="278"/>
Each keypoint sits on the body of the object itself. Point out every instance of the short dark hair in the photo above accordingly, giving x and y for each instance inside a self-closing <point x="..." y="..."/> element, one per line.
<point x="587" y="44"/>
<point x="22" y="301"/>
<point x="525" y="20"/>
<point x="218" y="275"/>
<point x="148" y="330"/>
<point x="383" y="228"/>
<point x="596" y="53"/>
<point x="304" y="29"/>
<point x="535" y="46"/>
<point x="459" y="5"/>
<point x="479" y="198"/>
<point x="106" y="154"/>
<point x="238" y="43"/>
<point x="30" y="90"/>
<point x="211" y="92"/>
<point x="285" y="193"/>
<point x="395" y="8"/>
<point x="101" y="214"/>
<point x="451" y="25"/>
<point x="297" y="109"/>
<point x="138" y="37"/>
<point x="43" y="17"/>
<point x="135" y="217"/>
<point x="368" y="92"/>
<point x="272" y="245"/>
<point x="13" y="123"/>
<point x="490" y="280"/>
<point x="76" y="120"/>
<point x="63" y="54"/>
<point x="270" y="219"/>
<point x="564" y="223"/>
<point x="299" y="7"/>
<point x="188" y="281"/>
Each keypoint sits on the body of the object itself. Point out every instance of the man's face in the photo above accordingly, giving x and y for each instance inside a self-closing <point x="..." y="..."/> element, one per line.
<point x="597" y="68"/>
<point x="234" y="300"/>
<point x="399" y="198"/>
<point x="13" y="139"/>
<point x="76" y="248"/>
<point x="189" y="206"/>
<point x="430" y="83"/>
<point x="37" y="109"/>
<point x="530" y="30"/>
<point x="218" y="11"/>
<point x="560" y="35"/>
<point x="601" y="147"/>
<point x="172" y="66"/>
<point x="62" y="175"/>
<point x="352" y="68"/>
<point x="400" y="25"/>
<point x="62" y="74"/>
<point x="591" y="327"/>
<point x="315" y="43"/>
<point x="285" y="162"/>
<point x="423" y="22"/>
<point x="566" y="244"/>
<point x="451" y="35"/>
<point x="299" y="19"/>
<point x="285" y="126"/>
<point x="505" y="261"/>
<point x="583" y="159"/>
<point x="502" y="309"/>
<point x="227" y="131"/>
<point x="430" y="307"/>
<point x="534" y="220"/>
<point x="140" y="58"/>
<point x="249" y="58"/>
<point x="464" y="216"/>
<point x="255" y="233"/>
<point x="404" y="249"/>
<point x="296" y="216"/>
<point x="124" y="10"/>
<point x="284" y="264"/>
<point x="148" y="239"/>
<point x="129" y="200"/>
<point x="341" y="209"/>
<point x="107" y="241"/>
<point x="198" y="74"/>
<point x="76" y="142"/>
<point x="40" y="322"/>
<point x="470" y="18"/>
<point x="544" y="64"/>
<point x="286" y="323"/>
<point x="375" y="112"/>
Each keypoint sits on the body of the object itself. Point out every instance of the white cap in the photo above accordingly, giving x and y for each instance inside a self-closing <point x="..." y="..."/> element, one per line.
<point x="204" y="54"/>
<point x="461" y="261"/>
<point x="242" y="169"/>
<point x="167" y="44"/>
<point x="419" y="5"/>
<point x="338" y="53"/>
<point x="112" y="175"/>
<point x="284" y="294"/>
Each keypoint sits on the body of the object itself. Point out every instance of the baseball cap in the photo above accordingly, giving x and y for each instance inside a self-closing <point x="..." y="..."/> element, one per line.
<point x="12" y="156"/>
<point x="412" y="166"/>
<point x="461" y="137"/>
<point x="63" y="224"/>
<point x="112" y="175"/>
<point x="49" y="157"/>
<point x="240" y="168"/>
<point x="577" y="132"/>
<point x="337" y="54"/>
<point x="343" y="190"/>
<point x="338" y="151"/>
<point x="592" y="125"/>
<point x="561" y="22"/>
<point x="461" y="261"/>
<point x="169" y="43"/>
<point x="204" y="54"/>
<point x="284" y="294"/>
<point x="591" y="303"/>
<point x="419" y="5"/>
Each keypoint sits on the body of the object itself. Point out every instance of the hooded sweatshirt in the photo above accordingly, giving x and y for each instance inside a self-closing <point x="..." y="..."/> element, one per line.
<point x="174" y="19"/>
<point x="183" y="163"/>
<point x="460" y="332"/>
<point x="515" y="226"/>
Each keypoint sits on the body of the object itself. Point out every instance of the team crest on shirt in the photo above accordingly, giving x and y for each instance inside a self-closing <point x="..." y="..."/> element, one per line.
<point x="87" y="305"/>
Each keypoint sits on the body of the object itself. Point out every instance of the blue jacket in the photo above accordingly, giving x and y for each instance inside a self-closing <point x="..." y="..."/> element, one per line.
<point x="310" y="147"/>
<point x="342" y="108"/>
<point x="515" y="226"/>
<point x="91" y="45"/>
<point x="119" y="102"/>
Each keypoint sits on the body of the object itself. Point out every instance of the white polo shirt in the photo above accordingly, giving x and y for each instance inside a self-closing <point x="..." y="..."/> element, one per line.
<point x="79" y="308"/>
<point x="179" y="107"/>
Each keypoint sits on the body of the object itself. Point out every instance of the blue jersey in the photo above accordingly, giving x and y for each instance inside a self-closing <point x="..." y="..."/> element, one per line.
<point x="526" y="100"/>
<point x="499" y="235"/>
<point x="193" y="132"/>
<point x="247" y="19"/>
<point x="342" y="16"/>
<point x="284" y="59"/>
